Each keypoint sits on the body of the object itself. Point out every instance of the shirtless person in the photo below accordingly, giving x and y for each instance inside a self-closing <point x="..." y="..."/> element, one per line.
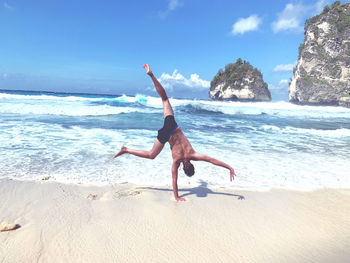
<point x="181" y="148"/>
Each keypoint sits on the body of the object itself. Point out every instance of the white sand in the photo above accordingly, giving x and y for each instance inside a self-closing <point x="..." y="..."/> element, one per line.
<point x="130" y="224"/>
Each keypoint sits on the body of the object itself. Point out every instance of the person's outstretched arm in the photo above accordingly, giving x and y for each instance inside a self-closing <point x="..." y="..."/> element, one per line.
<point x="174" y="170"/>
<point x="202" y="157"/>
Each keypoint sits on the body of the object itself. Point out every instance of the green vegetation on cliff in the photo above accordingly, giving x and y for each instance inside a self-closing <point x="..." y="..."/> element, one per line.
<point x="342" y="18"/>
<point x="337" y="16"/>
<point x="234" y="73"/>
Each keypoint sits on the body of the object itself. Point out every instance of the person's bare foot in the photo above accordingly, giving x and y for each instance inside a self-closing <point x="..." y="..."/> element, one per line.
<point x="122" y="151"/>
<point x="5" y="226"/>
<point x="148" y="70"/>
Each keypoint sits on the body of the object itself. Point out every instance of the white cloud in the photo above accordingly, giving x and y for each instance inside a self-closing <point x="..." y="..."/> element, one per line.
<point x="149" y="88"/>
<point x="176" y="80"/>
<point x="290" y="18"/>
<point x="279" y="91"/>
<point x="172" y="5"/>
<point x="284" y="68"/>
<point x="282" y="85"/>
<point x="293" y="16"/>
<point x="283" y="82"/>
<point x="6" y="5"/>
<point x="243" y="25"/>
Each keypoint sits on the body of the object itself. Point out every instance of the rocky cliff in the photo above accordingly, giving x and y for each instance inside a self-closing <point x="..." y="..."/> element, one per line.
<point x="322" y="73"/>
<point x="240" y="81"/>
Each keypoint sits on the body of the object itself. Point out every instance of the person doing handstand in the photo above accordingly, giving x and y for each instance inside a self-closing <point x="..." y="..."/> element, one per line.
<point x="181" y="148"/>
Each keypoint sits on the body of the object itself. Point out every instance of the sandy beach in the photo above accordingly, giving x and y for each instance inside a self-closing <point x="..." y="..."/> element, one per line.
<point x="130" y="223"/>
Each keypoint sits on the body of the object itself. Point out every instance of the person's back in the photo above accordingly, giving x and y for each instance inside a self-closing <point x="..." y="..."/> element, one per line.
<point x="180" y="146"/>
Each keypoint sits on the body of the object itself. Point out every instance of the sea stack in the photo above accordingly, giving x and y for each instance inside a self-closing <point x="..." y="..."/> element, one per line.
<point x="240" y="81"/>
<point x="322" y="73"/>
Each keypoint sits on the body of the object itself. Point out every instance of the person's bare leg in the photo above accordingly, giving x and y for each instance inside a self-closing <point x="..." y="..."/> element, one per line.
<point x="156" y="149"/>
<point x="168" y="110"/>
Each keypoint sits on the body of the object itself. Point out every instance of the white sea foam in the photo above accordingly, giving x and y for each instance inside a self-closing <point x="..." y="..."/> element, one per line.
<point x="47" y="97"/>
<point x="264" y="154"/>
<point x="67" y="110"/>
<point x="226" y="107"/>
<point x="292" y="130"/>
<point x="331" y="133"/>
<point x="68" y="106"/>
<point x="85" y="156"/>
<point x="256" y="108"/>
<point x="276" y="108"/>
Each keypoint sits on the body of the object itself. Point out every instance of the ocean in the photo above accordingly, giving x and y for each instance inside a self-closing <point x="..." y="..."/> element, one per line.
<point x="72" y="138"/>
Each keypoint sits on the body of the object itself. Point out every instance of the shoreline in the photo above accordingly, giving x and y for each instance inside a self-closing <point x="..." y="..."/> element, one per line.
<point x="133" y="223"/>
<point x="199" y="184"/>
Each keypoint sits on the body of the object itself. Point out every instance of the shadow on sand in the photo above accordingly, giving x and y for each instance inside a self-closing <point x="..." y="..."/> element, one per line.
<point x="200" y="191"/>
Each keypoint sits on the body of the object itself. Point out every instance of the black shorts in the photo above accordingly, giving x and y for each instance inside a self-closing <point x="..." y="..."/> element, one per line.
<point x="168" y="129"/>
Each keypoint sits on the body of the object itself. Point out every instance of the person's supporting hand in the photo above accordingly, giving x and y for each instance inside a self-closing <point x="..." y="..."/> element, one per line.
<point x="232" y="174"/>
<point x="122" y="151"/>
<point x="148" y="70"/>
<point x="180" y="199"/>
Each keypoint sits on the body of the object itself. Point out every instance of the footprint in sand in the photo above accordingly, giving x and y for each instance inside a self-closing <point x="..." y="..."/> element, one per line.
<point x="127" y="193"/>
<point x="92" y="197"/>
<point x="45" y="178"/>
<point x="5" y="226"/>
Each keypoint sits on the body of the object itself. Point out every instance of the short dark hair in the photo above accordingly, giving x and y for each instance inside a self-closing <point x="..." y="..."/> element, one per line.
<point x="188" y="169"/>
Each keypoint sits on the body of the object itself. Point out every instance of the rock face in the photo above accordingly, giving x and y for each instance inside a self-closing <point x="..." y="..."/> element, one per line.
<point x="344" y="101"/>
<point x="239" y="82"/>
<point x="322" y="74"/>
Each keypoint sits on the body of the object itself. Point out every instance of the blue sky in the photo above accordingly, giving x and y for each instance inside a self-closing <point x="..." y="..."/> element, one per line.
<point x="100" y="46"/>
